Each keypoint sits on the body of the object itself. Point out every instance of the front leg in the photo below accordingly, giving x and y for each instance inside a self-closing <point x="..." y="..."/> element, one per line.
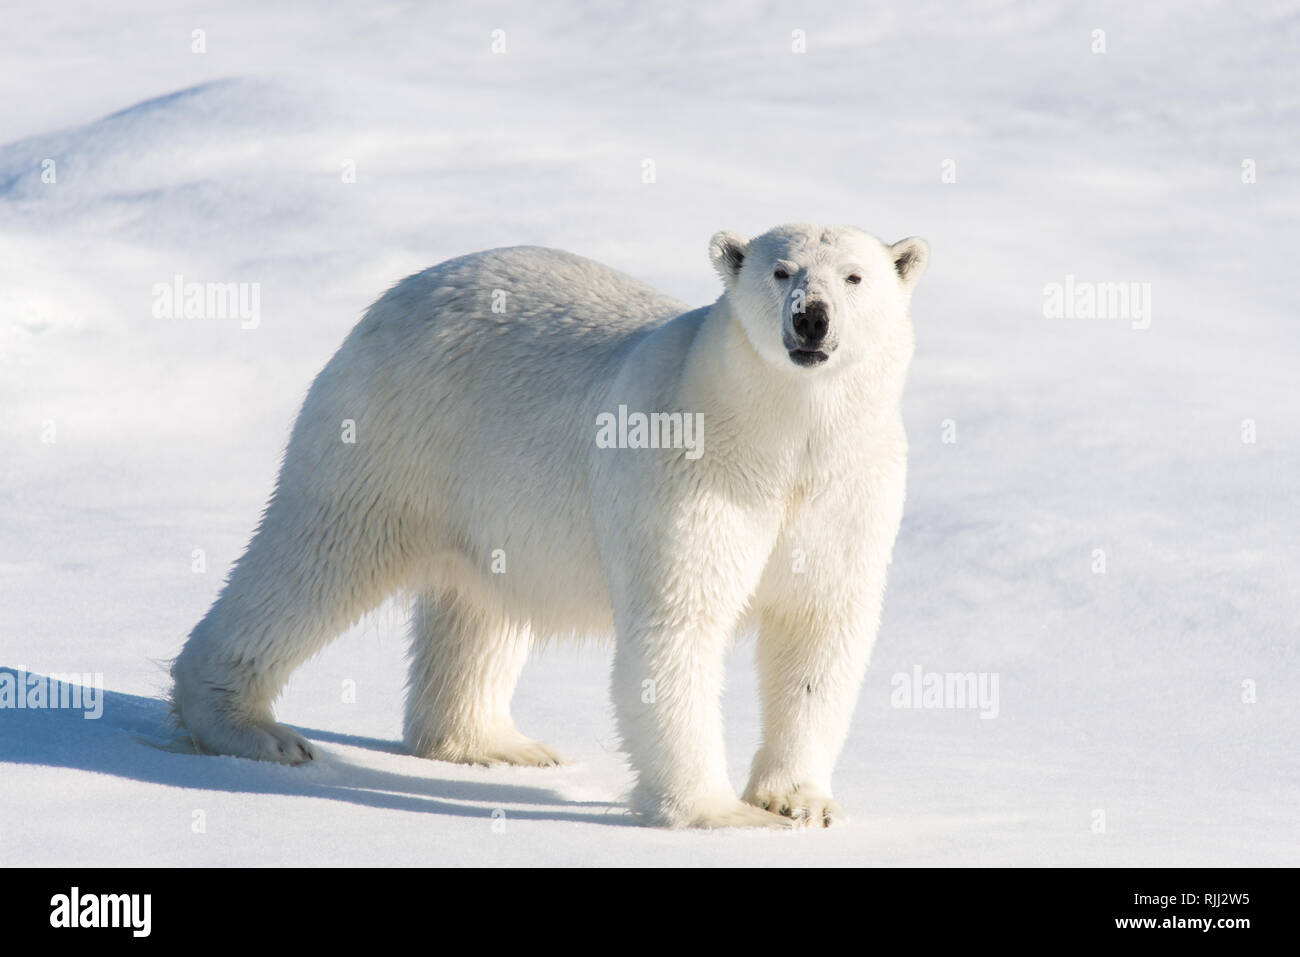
<point x="679" y="587"/>
<point x="810" y="670"/>
<point x="818" y="621"/>
<point x="667" y="691"/>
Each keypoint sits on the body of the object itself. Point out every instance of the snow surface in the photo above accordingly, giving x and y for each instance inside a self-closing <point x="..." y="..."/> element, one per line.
<point x="1120" y="692"/>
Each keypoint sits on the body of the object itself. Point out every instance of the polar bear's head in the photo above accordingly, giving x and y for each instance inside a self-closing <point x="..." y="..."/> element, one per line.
<point x="817" y="297"/>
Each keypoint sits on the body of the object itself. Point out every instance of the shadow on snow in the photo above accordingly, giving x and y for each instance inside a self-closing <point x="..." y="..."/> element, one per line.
<point x="134" y="738"/>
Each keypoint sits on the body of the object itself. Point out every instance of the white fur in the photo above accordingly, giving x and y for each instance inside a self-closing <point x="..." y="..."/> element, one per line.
<point x="475" y="433"/>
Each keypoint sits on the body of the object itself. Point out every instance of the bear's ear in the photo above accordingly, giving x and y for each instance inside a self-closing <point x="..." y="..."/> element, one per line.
<point x="727" y="253"/>
<point x="911" y="256"/>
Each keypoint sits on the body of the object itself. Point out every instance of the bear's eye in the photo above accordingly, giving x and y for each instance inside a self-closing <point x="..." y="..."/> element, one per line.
<point x="781" y="274"/>
<point x="853" y="280"/>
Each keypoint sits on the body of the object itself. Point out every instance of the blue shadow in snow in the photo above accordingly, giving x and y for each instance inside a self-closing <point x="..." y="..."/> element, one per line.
<point x="134" y="735"/>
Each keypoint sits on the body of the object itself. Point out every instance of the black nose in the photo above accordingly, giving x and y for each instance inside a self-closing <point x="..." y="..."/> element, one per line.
<point x="812" y="324"/>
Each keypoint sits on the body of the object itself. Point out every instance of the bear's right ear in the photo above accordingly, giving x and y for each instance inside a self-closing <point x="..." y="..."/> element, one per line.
<point x="727" y="253"/>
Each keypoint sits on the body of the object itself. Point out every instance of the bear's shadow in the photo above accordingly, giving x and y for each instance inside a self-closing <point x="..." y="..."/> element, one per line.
<point x="134" y="739"/>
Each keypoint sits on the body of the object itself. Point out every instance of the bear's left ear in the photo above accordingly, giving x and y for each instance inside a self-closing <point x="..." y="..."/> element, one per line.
<point x="911" y="256"/>
<point x="727" y="253"/>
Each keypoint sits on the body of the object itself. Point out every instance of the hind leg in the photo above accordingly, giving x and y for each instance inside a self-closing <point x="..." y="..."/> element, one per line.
<point x="465" y="663"/>
<point x="306" y="577"/>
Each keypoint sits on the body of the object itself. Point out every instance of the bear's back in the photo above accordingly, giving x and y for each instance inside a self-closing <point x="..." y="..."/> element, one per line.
<point x="534" y="292"/>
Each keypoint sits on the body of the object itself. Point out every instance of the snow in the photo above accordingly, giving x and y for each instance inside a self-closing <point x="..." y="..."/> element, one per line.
<point x="1120" y="692"/>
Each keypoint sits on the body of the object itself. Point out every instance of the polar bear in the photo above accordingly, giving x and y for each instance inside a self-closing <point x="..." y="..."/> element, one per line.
<point x="461" y="447"/>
